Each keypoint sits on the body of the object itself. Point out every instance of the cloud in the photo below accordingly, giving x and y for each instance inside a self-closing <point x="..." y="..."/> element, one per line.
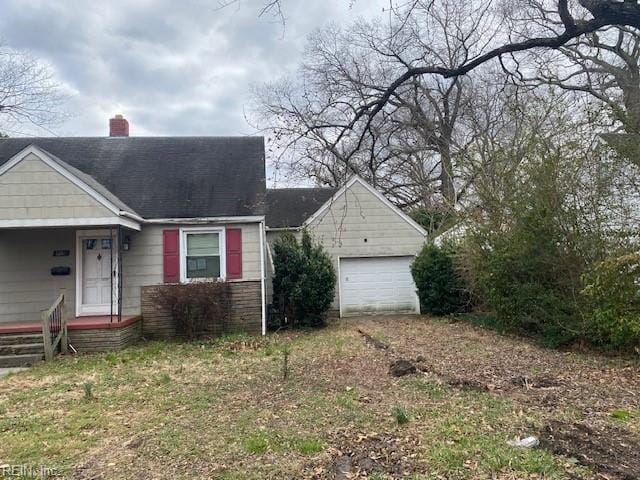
<point x="172" y="68"/>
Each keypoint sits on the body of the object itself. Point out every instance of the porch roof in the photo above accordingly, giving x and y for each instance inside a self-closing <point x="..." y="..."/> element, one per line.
<point x="97" y="222"/>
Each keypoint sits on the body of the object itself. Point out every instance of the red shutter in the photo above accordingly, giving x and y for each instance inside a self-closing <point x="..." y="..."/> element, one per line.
<point x="171" y="252"/>
<point x="234" y="253"/>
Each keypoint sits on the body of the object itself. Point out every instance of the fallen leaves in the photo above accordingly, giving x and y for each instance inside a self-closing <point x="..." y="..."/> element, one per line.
<point x="471" y="390"/>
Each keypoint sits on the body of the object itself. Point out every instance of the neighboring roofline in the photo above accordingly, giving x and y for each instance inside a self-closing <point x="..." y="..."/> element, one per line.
<point x="196" y="220"/>
<point x="279" y="189"/>
<point x="356" y="178"/>
<point x="50" y="160"/>
<point x="451" y="233"/>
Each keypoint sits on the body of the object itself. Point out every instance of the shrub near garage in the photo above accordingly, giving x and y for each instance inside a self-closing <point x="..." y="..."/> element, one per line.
<point x="304" y="281"/>
<point x="440" y="286"/>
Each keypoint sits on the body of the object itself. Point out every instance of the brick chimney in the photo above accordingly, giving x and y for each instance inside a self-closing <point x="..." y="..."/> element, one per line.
<point x="118" y="126"/>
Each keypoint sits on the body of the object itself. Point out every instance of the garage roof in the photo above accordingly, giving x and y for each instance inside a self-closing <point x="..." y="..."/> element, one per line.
<point x="290" y="207"/>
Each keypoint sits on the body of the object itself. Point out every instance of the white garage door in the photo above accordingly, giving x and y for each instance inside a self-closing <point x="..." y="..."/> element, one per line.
<point x="377" y="285"/>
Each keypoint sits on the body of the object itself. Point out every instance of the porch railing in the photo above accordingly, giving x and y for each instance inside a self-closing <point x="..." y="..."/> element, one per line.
<point x="54" y="328"/>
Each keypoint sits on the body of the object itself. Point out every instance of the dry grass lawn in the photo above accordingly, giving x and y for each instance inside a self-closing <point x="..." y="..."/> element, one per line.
<point x="222" y="409"/>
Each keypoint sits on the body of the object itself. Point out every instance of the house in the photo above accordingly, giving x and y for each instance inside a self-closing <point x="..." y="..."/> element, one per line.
<point x="371" y="241"/>
<point x="95" y="226"/>
<point x="104" y="220"/>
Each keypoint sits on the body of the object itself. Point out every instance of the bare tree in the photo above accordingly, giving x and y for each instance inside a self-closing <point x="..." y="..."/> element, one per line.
<point x="601" y="67"/>
<point x="28" y="92"/>
<point x="526" y="25"/>
<point x="413" y="148"/>
<point x="270" y="8"/>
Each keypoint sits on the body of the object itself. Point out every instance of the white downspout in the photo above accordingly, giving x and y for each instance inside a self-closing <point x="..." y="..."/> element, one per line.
<point x="262" y="279"/>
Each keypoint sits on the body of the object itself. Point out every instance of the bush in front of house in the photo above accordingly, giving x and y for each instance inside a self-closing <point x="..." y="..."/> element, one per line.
<point x="304" y="281"/>
<point x="612" y="287"/>
<point x="441" y="288"/>
<point x="196" y="308"/>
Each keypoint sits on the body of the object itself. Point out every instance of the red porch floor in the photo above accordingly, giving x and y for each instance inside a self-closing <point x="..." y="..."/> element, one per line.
<point x="98" y="322"/>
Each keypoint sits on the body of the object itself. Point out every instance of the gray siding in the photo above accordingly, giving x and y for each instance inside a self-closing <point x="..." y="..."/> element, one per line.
<point x="359" y="215"/>
<point x="359" y="224"/>
<point x="142" y="265"/>
<point x="26" y="258"/>
<point x="33" y="190"/>
<point x="26" y="284"/>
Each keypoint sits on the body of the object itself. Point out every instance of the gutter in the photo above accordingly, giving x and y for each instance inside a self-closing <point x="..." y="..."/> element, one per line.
<point x="197" y="220"/>
<point x="262" y="279"/>
<point x="283" y="229"/>
<point x="132" y="216"/>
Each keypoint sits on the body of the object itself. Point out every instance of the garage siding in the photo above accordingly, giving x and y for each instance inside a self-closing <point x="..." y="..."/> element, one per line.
<point x="357" y="215"/>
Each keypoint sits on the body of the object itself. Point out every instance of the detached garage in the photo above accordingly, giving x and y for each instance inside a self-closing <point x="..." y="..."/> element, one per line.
<point x="372" y="243"/>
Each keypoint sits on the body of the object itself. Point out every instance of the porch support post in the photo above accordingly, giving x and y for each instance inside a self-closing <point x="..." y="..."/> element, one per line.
<point x="111" y="272"/>
<point x="119" y="270"/>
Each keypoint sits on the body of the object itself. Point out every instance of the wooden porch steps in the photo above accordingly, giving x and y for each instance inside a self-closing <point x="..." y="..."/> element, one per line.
<point x="21" y="350"/>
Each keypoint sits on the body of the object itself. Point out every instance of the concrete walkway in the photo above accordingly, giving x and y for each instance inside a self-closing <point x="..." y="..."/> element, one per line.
<point x="6" y="371"/>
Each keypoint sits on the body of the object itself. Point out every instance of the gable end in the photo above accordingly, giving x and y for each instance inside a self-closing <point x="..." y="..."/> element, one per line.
<point x="317" y="216"/>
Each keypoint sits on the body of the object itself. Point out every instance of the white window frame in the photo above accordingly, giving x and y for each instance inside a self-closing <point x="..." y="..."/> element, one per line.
<point x="221" y="231"/>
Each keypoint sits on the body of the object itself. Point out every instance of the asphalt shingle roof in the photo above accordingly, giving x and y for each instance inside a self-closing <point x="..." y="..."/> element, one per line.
<point x="290" y="207"/>
<point x="166" y="177"/>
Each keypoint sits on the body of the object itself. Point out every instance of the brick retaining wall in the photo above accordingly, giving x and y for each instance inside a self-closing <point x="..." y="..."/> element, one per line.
<point x="105" y="339"/>
<point x="245" y="315"/>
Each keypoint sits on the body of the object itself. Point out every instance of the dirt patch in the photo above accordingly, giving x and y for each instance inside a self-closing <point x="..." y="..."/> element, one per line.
<point x="361" y="455"/>
<point x="607" y="450"/>
<point x="468" y="384"/>
<point x="549" y="381"/>
<point x="402" y="367"/>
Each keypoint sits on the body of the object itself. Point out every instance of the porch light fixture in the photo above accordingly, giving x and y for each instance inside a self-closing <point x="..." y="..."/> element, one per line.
<point x="126" y="243"/>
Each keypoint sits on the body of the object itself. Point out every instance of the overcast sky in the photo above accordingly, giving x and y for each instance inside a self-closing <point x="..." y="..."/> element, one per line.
<point x="171" y="67"/>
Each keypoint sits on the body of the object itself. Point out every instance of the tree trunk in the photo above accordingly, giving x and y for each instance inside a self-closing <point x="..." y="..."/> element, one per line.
<point x="447" y="188"/>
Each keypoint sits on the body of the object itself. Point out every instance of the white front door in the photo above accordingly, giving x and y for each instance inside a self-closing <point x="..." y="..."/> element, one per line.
<point x="377" y="285"/>
<point x="98" y="262"/>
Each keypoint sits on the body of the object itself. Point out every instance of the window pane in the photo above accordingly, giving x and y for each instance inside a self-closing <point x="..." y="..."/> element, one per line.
<point x="203" y="267"/>
<point x="199" y="244"/>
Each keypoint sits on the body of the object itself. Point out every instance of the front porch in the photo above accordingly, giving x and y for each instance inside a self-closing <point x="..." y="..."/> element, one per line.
<point x="95" y="322"/>
<point x="38" y="264"/>
<point x="88" y="334"/>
